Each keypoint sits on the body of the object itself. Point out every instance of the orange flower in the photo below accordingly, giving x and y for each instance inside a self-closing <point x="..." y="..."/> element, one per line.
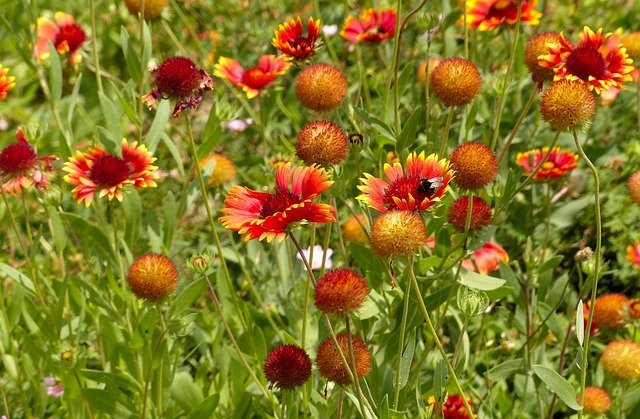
<point x="453" y="408"/>
<point x="20" y="166"/>
<point x="98" y="170"/>
<point x="486" y="259"/>
<point x="559" y="163"/>
<point x="290" y="41"/>
<point x="633" y="253"/>
<point x="371" y="26"/>
<point x="65" y="35"/>
<point x="426" y="181"/>
<point x="590" y="61"/>
<point x="609" y="310"/>
<point x="6" y="82"/>
<point x="254" y="79"/>
<point x="330" y="364"/>
<point x="262" y="215"/>
<point x="486" y="15"/>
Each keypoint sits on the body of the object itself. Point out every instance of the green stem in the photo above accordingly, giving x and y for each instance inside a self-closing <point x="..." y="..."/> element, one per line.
<point x="307" y="290"/>
<point x="516" y="127"/>
<point x="354" y="367"/>
<point x="364" y="84"/>
<point x="94" y="42"/>
<point x="445" y="132"/>
<point x="403" y="329"/>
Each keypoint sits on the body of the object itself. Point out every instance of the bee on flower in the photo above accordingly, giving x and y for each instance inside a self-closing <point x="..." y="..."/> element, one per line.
<point x="370" y="26"/>
<point x="253" y="80"/>
<point x="65" y="35"/>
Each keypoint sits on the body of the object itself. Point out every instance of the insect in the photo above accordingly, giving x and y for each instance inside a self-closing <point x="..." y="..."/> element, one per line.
<point x="356" y="138"/>
<point x="429" y="186"/>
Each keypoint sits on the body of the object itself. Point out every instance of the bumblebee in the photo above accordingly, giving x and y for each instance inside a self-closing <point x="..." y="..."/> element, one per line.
<point x="429" y="186"/>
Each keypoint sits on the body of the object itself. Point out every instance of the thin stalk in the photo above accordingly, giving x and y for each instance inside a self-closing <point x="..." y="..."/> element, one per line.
<point x="147" y="379"/>
<point x="516" y="127"/>
<point x="456" y="351"/>
<point x="94" y="42"/>
<point x="596" y="271"/>
<point x="364" y="84"/>
<point x="307" y="289"/>
<point x="403" y="329"/>
<point x="354" y="367"/>
<point x="445" y="132"/>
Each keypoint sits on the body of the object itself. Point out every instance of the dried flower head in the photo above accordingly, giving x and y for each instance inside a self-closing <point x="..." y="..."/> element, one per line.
<point x="596" y="400"/>
<point x="481" y="213"/>
<point x="217" y="169"/>
<point x="253" y="80"/>
<point x="330" y="364"/>
<point x="321" y="87"/>
<point x="152" y="8"/>
<point x="456" y="81"/>
<point x="287" y="366"/>
<point x="567" y="105"/>
<point x="7" y="83"/>
<point x="633" y="186"/>
<point x="486" y="15"/>
<point x="397" y="234"/>
<point x="323" y="143"/>
<point x="290" y="40"/>
<point x="354" y="229"/>
<point x="152" y="277"/>
<point x="619" y="359"/>
<point x="559" y="163"/>
<point x="609" y="310"/>
<point x="340" y="291"/>
<point x="475" y="165"/>
<point x="536" y="46"/>
<point x="65" y="35"/>
<point x="370" y="26"/>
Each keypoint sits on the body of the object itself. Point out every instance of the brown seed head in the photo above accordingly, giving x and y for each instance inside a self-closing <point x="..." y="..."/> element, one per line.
<point x="321" y="87"/>
<point x="330" y="364"/>
<point x="481" y="213"/>
<point x="620" y="359"/>
<point x="475" y="165"/>
<point x="567" y="105"/>
<point x="323" y="143"/>
<point x="152" y="276"/>
<point x="536" y="46"/>
<point x="340" y="291"/>
<point x="287" y="366"/>
<point x="397" y="234"/>
<point x="456" y="81"/>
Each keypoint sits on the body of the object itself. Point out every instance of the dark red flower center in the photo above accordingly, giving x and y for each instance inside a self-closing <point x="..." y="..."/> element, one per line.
<point x="585" y="61"/>
<point x="255" y="78"/>
<point x="503" y="10"/>
<point x="73" y="34"/>
<point x="401" y="188"/>
<point x="17" y="158"/>
<point x="278" y="202"/>
<point x="177" y="77"/>
<point x="109" y="171"/>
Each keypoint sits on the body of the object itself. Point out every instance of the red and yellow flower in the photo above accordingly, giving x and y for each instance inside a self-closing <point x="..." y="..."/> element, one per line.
<point x="253" y="80"/>
<point x="65" y="35"/>
<point x="290" y="41"/>
<point x="263" y="215"/>
<point x="20" y="166"/>
<point x="590" y="60"/>
<point x="426" y="181"/>
<point x="559" y="163"/>
<point x="486" y="15"/>
<point x="486" y="259"/>
<point x="99" y="171"/>
<point x="370" y="26"/>
<point x="7" y="83"/>
<point x="453" y="407"/>
<point x="633" y="253"/>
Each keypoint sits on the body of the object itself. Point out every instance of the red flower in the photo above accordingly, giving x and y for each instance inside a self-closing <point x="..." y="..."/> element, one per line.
<point x="65" y="35"/>
<point x="426" y="181"/>
<point x="489" y="14"/>
<point x="254" y="79"/>
<point x="590" y="61"/>
<point x="559" y="163"/>
<point x="453" y="408"/>
<point x="178" y="78"/>
<point x="262" y="215"/>
<point x="371" y="26"/>
<point x="20" y="166"/>
<point x="290" y="41"/>
<point x="486" y="259"/>
<point x="287" y="366"/>
<point x="99" y="170"/>
<point x="6" y="82"/>
<point x="633" y="253"/>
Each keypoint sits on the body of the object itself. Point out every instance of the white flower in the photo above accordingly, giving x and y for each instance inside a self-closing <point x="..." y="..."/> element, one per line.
<point x="238" y="125"/>
<point x="317" y="257"/>
<point x="329" y="30"/>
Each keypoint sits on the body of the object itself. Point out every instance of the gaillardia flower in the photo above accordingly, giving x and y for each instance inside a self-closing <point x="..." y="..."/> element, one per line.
<point x="99" y="171"/>
<point x="633" y="253"/>
<point x="453" y="407"/>
<point x="475" y="165"/>
<point x="596" y="400"/>
<point x="65" y="35"/>
<point x="481" y="213"/>
<point x="426" y="181"/>
<point x="620" y="358"/>
<point x="567" y="105"/>
<point x="323" y="143"/>
<point x="263" y="215"/>
<point x="253" y="80"/>
<point x="559" y="163"/>
<point x="610" y="309"/>
<point x="486" y="259"/>
<point x="152" y="277"/>
<point x="330" y="363"/>
<point x="321" y="87"/>
<point x="179" y="79"/>
<point x="371" y="26"/>
<point x="633" y="186"/>
<point x="20" y="166"/>
<point x="589" y="61"/>
<point x="290" y="41"/>
<point x="396" y="234"/>
<point x="287" y="366"/>
<point x="536" y="46"/>
<point x="340" y="291"/>
<point x="456" y="81"/>
<point x="6" y="82"/>
<point x="486" y="15"/>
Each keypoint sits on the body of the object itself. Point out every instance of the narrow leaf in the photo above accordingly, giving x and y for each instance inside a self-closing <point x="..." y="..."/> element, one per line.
<point x="580" y="323"/>
<point x="408" y="134"/>
<point x="407" y="358"/>
<point x="480" y="282"/>
<point x="558" y="384"/>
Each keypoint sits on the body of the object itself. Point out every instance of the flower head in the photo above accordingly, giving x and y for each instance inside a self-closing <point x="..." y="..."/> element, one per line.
<point x="152" y="8"/>
<point x="340" y="291"/>
<point x="217" y="169"/>
<point x="633" y="186"/>
<point x="486" y="259"/>
<point x="481" y="213"/>
<point x="397" y="234"/>
<point x="291" y="42"/>
<point x="65" y="35"/>
<point x="567" y="105"/>
<point x="589" y="61"/>
<point x="425" y="182"/>
<point x="558" y="164"/>
<point x="179" y="79"/>
<point x="453" y="407"/>
<point x="596" y="400"/>
<point x="456" y="81"/>
<point x="620" y="358"/>
<point x="7" y="82"/>
<point x="609" y="310"/>
<point x="321" y="87"/>
<point x="287" y="366"/>
<point x="99" y="171"/>
<point x="536" y="46"/>
<point x="152" y="277"/>
<point x="354" y="229"/>
<point x="370" y="26"/>
<point x="633" y="253"/>
<point x="318" y="255"/>
<point x="253" y="80"/>
<point x="20" y="166"/>
<point x="330" y="363"/>
<point x="631" y="42"/>
<point x="486" y="15"/>
<point x="475" y="165"/>
<point x="323" y="143"/>
<point x="263" y="215"/>
<point x="425" y="69"/>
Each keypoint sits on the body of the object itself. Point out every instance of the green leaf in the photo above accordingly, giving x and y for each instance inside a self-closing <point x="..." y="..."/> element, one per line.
<point x="170" y="212"/>
<point x="566" y="215"/>
<point x="580" y="323"/>
<point x="163" y="112"/>
<point x="480" y="282"/>
<point x="57" y="229"/>
<point x="130" y="56"/>
<point x="112" y="121"/>
<point x="17" y="276"/>
<point x="132" y="208"/>
<point x="122" y="380"/>
<point x="90" y="233"/>
<point x="408" y="134"/>
<point x="55" y="74"/>
<point x="506" y="369"/>
<point x="375" y="122"/>
<point x="205" y="408"/>
<point x="187" y="296"/>
<point x="185" y="391"/>
<point x="437" y="298"/>
<point x="407" y="359"/>
<point x="558" y="384"/>
<point x="101" y="401"/>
